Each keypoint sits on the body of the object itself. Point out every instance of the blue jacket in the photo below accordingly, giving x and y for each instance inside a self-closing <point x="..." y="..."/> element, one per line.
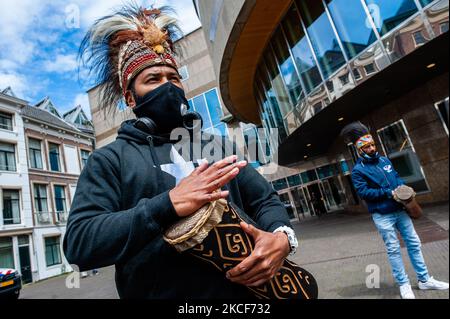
<point x="374" y="180"/>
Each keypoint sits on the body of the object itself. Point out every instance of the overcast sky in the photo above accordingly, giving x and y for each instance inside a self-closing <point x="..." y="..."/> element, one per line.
<point x="39" y="42"/>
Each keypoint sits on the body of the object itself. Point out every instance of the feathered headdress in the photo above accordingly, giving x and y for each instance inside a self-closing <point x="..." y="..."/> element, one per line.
<point x="357" y="133"/>
<point x="119" y="46"/>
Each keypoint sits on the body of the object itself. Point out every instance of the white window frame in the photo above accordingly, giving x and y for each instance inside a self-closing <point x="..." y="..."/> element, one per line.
<point x="13" y="125"/>
<point x="21" y="210"/>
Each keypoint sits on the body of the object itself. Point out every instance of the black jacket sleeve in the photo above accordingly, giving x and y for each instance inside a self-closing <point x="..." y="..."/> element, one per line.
<point x="261" y="201"/>
<point x="99" y="233"/>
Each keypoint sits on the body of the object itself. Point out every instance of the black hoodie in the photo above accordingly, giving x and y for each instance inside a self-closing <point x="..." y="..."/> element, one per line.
<point x="122" y="206"/>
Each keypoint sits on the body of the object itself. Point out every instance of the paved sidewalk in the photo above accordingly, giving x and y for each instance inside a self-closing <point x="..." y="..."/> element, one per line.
<point x="336" y="248"/>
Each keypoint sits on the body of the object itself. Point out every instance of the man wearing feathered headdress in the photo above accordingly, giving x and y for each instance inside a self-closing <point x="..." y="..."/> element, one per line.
<point x="375" y="180"/>
<point x="131" y="191"/>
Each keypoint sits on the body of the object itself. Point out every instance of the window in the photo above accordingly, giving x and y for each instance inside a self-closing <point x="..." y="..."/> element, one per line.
<point x="294" y="180"/>
<point x="301" y="50"/>
<point x="7" y="157"/>
<point x="327" y="171"/>
<point x="324" y="41"/>
<point x="84" y="157"/>
<point x="279" y="90"/>
<point x="398" y="147"/>
<point x="6" y="253"/>
<point x="40" y="198"/>
<point x="11" y="207"/>
<point x="388" y="14"/>
<point x="344" y="79"/>
<point x="6" y="121"/>
<point x="444" y="27"/>
<point x="309" y="176"/>
<point x="183" y="71"/>
<point x="208" y="105"/>
<point x="54" y="157"/>
<point x="280" y="184"/>
<point x="35" y="153"/>
<point x="369" y="68"/>
<point x="350" y="19"/>
<point x="357" y="74"/>
<point x="442" y="108"/>
<point x="287" y="67"/>
<point x="53" y="251"/>
<point x="418" y="38"/>
<point x="424" y="3"/>
<point x="60" y="198"/>
<point x="271" y="105"/>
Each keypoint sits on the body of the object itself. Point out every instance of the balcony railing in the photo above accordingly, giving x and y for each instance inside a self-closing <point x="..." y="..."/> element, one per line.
<point x="61" y="217"/>
<point x="43" y="218"/>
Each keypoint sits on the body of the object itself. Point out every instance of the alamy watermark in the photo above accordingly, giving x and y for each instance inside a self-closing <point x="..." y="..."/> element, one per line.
<point x="373" y="279"/>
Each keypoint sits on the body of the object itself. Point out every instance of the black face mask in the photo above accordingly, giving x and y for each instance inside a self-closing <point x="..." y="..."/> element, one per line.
<point x="165" y="105"/>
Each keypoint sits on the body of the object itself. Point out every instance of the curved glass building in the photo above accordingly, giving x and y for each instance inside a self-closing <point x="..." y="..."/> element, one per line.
<point x="309" y="67"/>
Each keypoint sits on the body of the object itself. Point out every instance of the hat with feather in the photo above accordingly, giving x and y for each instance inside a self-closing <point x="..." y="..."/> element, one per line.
<point x="357" y="134"/>
<point x="119" y="46"/>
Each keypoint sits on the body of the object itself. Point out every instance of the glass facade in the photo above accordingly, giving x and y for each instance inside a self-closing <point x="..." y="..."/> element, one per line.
<point x="209" y="107"/>
<point x="322" y="49"/>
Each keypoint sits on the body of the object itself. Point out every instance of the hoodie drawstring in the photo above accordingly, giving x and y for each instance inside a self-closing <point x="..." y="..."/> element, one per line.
<point x="152" y="151"/>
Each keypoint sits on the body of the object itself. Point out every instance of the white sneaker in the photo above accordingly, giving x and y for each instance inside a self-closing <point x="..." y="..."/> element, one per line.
<point x="433" y="284"/>
<point x="406" y="292"/>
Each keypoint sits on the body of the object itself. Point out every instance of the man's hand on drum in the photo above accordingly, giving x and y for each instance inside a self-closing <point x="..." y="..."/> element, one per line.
<point x="266" y="259"/>
<point x="204" y="185"/>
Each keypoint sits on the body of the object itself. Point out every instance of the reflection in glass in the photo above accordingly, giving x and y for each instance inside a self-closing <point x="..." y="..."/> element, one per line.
<point x="424" y="3"/>
<point x="437" y="15"/>
<point x="350" y="20"/>
<point x="300" y="201"/>
<point x="340" y="83"/>
<point x="368" y="63"/>
<point x="301" y="50"/>
<point x="272" y="107"/>
<point x="287" y="66"/>
<point x="387" y="14"/>
<point x="402" y="41"/>
<point x="215" y="109"/>
<point x="201" y="107"/>
<point x="324" y="41"/>
<point x="280" y="92"/>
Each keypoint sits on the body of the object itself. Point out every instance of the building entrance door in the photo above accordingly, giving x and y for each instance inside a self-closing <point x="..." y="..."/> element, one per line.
<point x="24" y="257"/>
<point x="300" y="202"/>
<point x="286" y="200"/>
<point x="316" y="199"/>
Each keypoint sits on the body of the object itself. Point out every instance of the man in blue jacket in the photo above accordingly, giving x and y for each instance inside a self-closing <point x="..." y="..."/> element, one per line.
<point x="375" y="179"/>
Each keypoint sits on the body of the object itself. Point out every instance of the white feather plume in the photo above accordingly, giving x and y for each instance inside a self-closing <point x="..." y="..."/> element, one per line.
<point x="106" y="28"/>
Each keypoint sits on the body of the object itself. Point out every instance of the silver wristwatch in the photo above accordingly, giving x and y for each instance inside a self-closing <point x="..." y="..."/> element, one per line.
<point x="293" y="243"/>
